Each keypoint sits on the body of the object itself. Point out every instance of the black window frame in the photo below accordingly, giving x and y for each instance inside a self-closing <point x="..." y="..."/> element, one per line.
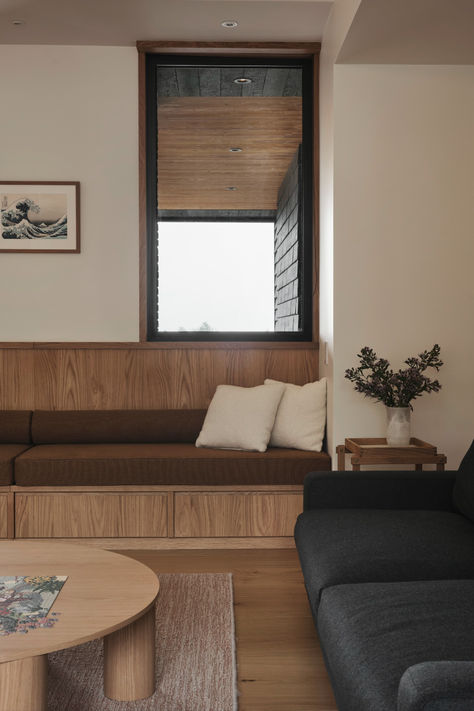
<point x="305" y="266"/>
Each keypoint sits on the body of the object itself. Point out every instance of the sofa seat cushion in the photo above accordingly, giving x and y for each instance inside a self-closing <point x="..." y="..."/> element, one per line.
<point x="372" y="632"/>
<point x="373" y="545"/>
<point x="8" y="452"/>
<point x="134" y="464"/>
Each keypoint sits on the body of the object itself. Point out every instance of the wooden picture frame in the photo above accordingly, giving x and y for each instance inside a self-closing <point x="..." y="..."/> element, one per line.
<point x="39" y="216"/>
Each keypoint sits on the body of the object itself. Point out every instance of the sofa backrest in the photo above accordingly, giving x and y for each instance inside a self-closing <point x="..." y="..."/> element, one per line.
<point x="116" y="426"/>
<point x="463" y="492"/>
<point x="15" y="426"/>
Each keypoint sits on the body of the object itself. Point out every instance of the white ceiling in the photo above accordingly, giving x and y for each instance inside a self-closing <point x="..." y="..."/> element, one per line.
<point x="383" y="31"/>
<point x="123" y="22"/>
<point x="411" y="32"/>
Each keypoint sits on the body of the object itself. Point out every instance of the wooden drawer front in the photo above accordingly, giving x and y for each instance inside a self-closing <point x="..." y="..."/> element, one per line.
<point x="236" y="514"/>
<point x="3" y="515"/>
<point x="90" y="515"/>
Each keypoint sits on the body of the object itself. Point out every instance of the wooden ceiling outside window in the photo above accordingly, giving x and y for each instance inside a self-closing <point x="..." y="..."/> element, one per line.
<point x="195" y="165"/>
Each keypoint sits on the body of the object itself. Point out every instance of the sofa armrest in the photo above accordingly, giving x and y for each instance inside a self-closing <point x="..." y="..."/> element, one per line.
<point x="437" y="686"/>
<point x="429" y="490"/>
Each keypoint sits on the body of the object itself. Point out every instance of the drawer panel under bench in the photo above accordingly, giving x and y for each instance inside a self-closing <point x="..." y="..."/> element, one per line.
<point x="90" y="515"/>
<point x="217" y="515"/>
<point x="3" y="515"/>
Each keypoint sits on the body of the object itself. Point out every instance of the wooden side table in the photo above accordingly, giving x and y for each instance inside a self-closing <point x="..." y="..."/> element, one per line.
<point x="375" y="450"/>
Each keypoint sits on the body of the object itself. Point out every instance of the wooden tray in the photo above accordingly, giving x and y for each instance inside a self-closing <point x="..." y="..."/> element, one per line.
<point x="366" y="446"/>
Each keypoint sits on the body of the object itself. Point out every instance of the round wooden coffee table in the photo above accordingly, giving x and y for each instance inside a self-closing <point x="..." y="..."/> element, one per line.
<point x="106" y="595"/>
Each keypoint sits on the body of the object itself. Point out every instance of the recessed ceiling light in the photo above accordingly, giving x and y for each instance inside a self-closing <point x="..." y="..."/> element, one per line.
<point x="231" y="187"/>
<point x="235" y="150"/>
<point x="17" y="23"/>
<point x="242" y="80"/>
<point x="229" y="24"/>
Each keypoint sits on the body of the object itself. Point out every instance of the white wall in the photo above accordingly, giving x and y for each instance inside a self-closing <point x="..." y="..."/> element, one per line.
<point x="339" y="22"/>
<point x="403" y="240"/>
<point x="70" y="113"/>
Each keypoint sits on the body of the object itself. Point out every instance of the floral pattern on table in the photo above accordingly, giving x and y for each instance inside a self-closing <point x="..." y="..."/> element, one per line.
<point x="26" y="601"/>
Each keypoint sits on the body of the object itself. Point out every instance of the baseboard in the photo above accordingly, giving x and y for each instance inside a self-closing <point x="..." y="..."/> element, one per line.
<point x="167" y="544"/>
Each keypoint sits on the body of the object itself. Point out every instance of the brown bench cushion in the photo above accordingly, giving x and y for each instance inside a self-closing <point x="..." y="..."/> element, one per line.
<point x="116" y="426"/>
<point x="8" y="452"/>
<point x="15" y="426"/>
<point x="147" y="464"/>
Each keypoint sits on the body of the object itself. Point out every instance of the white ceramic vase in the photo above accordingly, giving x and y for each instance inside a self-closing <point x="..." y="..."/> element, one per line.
<point x="398" y="426"/>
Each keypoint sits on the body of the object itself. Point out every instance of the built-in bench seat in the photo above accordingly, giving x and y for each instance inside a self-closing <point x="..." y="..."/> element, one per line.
<point x="93" y="474"/>
<point x="157" y="464"/>
<point x="15" y="438"/>
<point x="8" y="454"/>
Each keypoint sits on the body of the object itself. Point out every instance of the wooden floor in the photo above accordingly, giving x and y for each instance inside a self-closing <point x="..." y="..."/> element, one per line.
<point x="280" y="667"/>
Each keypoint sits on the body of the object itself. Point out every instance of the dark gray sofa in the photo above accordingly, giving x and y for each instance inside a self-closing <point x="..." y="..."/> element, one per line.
<point x="388" y="564"/>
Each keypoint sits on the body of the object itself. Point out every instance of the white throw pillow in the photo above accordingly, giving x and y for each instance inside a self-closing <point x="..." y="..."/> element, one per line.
<point x="301" y="416"/>
<point x="241" y="418"/>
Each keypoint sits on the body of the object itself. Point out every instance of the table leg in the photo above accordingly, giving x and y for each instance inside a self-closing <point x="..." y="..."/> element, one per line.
<point x="23" y="684"/>
<point x="341" y="457"/>
<point x="419" y="467"/>
<point x="129" y="660"/>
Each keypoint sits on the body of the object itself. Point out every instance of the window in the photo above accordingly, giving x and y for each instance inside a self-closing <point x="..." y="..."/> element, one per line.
<point x="229" y="198"/>
<point x="229" y="291"/>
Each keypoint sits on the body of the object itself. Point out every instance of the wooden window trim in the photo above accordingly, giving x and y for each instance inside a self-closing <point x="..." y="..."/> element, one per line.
<point x="158" y="345"/>
<point x="243" y="49"/>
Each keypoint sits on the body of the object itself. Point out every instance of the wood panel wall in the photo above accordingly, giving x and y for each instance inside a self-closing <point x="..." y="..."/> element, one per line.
<point x="68" y="378"/>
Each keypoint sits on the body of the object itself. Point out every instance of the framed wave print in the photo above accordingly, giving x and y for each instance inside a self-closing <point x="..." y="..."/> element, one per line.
<point x="39" y="217"/>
